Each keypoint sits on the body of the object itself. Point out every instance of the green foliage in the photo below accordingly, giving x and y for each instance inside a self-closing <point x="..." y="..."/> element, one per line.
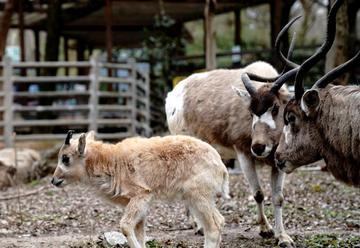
<point x="153" y="244"/>
<point x="49" y="193"/>
<point x="161" y="43"/>
<point x="331" y="240"/>
<point x="34" y="183"/>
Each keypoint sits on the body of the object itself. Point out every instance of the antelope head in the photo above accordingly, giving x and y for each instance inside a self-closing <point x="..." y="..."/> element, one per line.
<point x="298" y="143"/>
<point x="71" y="159"/>
<point x="266" y="103"/>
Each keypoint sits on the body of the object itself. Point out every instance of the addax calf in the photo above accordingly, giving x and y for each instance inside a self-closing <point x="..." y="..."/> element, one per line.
<point x="137" y="171"/>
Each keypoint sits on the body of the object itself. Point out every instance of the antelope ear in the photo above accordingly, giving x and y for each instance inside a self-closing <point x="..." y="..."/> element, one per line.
<point x="90" y="135"/>
<point x="244" y="94"/>
<point x="310" y="101"/>
<point x="82" y="144"/>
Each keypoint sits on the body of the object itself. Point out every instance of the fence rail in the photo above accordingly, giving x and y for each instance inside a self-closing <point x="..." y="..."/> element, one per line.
<point x="111" y="99"/>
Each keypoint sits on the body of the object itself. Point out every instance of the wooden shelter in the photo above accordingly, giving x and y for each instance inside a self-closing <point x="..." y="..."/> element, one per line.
<point x="121" y="23"/>
<point x="117" y="104"/>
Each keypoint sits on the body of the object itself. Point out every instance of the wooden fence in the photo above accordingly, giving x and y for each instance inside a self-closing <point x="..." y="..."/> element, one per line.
<point x="109" y="98"/>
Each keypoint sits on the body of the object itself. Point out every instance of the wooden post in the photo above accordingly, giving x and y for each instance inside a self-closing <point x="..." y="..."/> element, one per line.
<point x="108" y="20"/>
<point x="7" y="13"/>
<point x="80" y="54"/>
<point x="22" y="35"/>
<point x="147" y="95"/>
<point x="131" y="62"/>
<point x="280" y="12"/>
<point x="8" y="103"/>
<point x="210" y="44"/>
<point x="66" y="53"/>
<point x="237" y="38"/>
<point x="275" y="10"/>
<point x="94" y="89"/>
<point x="37" y="49"/>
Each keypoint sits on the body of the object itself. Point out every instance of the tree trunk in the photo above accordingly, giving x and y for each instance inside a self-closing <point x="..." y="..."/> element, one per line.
<point x="339" y="51"/>
<point x="210" y="35"/>
<point x="280" y="12"/>
<point x="307" y="20"/>
<point x="51" y="49"/>
<point x="5" y="25"/>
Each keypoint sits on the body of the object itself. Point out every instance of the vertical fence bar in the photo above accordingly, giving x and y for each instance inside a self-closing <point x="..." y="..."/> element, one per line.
<point x="147" y="95"/>
<point x="94" y="90"/>
<point x="8" y="103"/>
<point x="131" y="62"/>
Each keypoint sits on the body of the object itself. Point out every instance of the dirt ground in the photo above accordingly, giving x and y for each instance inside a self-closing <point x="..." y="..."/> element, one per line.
<point x="318" y="212"/>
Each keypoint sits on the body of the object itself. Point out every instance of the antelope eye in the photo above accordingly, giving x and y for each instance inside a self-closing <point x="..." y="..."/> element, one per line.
<point x="65" y="160"/>
<point x="291" y="118"/>
<point x="275" y="110"/>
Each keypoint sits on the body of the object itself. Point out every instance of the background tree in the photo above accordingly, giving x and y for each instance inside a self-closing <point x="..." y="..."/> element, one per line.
<point x="307" y="20"/>
<point x="338" y="53"/>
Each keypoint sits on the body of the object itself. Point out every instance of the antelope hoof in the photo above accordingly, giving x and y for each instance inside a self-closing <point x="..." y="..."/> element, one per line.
<point x="286" y="244"/>
<point x="285" y="241"/>
<point x="267" y="234"/>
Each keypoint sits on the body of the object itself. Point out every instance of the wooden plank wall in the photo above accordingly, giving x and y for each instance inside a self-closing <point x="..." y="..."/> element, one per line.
<point x="116" y="106"/>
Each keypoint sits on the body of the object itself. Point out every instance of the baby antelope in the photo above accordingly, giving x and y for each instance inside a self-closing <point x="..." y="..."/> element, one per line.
<point x="138" y="171"/>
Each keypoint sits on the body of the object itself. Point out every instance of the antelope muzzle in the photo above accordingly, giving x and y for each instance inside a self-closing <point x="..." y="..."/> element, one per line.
<point x="57" y="181"/>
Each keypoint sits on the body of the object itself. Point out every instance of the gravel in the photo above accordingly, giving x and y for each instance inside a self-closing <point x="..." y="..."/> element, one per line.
<point x="315" y="204"/>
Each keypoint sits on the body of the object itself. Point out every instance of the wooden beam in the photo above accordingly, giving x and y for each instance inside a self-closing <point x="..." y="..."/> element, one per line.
<point x="71" y="14"/>
<point x="209" y="33"/>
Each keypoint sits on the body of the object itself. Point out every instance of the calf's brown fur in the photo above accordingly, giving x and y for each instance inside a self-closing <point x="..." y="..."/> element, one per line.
<point x="137" y="171"/>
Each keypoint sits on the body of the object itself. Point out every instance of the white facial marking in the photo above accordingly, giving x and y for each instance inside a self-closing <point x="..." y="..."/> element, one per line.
<point x="287" y="134"/>
<point x="255" y="120"/>
<point x="266" y="118"/>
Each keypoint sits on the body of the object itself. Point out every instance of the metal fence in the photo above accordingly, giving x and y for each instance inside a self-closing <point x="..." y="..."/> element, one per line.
<point x="109" y="98"/>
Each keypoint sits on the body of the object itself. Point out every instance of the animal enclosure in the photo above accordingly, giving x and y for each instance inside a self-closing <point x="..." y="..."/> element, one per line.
<point x="109" y="98"/>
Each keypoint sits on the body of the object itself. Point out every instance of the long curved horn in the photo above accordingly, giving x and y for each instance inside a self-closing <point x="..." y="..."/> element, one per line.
<point x="285" y="76"/>
<point x="248" y="84"/>
<point x="286" y="61"/>
<point x="68" y="137"/>
<point x="325" y="47"/>
<point x="283" y="79"/>
<point x="336" y="72"/>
